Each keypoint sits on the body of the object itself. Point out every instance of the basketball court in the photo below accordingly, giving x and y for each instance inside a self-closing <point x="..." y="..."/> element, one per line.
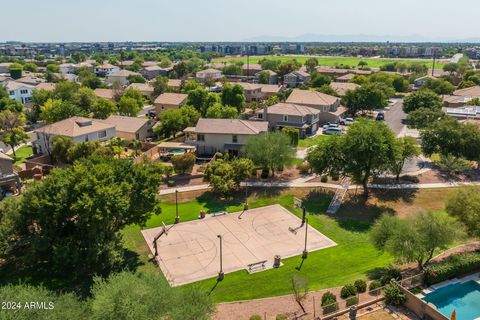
<point x="190" y="251"/>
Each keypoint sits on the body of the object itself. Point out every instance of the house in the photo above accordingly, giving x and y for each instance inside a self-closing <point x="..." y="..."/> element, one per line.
<point x="269" y="90"/>
<point x="282" y="115"/>
<point x="120" y="76"/>
<point x="151" y="72"/>
<point x="296" y="78"/>
<point x="209" y="75"/>
<point x="421" y="81"/>
<point x="105" y="69"/>
<point x="70" y="77"/>
<point x="175" y="84"/>
<point x="341" y="88"/>
<point x="108" y="94"/>
<point x="130" y="128"/>
<point x="330" y="107"/>
<point x="345" y="78"/>
<point x="332" y="72"/>
<point x="8" y="177"/>
<point x="272" y="79"/>
<point x="251" y="69"/>
<point x="4" y="67"/>
<point x="169" y="100"/>
<point x="461" y="96"/>
<point x="19" y="91"/>
<point x="252" y="91"/>
<point x="223" y="135"/>
<point x="79" y="129"/>
<point x="145" y="88"/>
<point x="67" y="68"/>
<point x="48" y="86"/>
<point x="31" y="80"/>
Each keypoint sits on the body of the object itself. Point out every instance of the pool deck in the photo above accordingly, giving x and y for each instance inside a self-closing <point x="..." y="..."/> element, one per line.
<point x="475" y="277"/>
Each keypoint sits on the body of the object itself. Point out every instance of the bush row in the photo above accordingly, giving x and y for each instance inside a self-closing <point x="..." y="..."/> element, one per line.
<point x="452" y="266"/>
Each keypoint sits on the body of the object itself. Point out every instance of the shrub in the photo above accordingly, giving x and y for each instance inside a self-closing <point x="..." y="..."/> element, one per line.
<point x="256" y="317"/>
<point x="184" y="163"/>
<point x="265" y="174"/>
<point x="304" y="168"/>
<point x="348" y="290"/>
<point x="452" y="266"/>
<point x="281" y="316"/>
<point x="393" y="295"/>
<point x="389" y="274"/>
<point x="324" y="179"/>
<point x="352" y="301"/>
<point x="375" y="284"/>
<point x="329" y="303"/>
<point x="170" y="183"/>
<point x="361" y="285"/>
<point x="335" y="177"/>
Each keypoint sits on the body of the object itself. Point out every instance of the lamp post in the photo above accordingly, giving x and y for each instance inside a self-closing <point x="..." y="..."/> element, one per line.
<point x="221" y="275"/>
<point x="305" y="252"/>
<point x="177" y="218"/>
<point x="304" y="215"/>
<point x="245" y="205"/>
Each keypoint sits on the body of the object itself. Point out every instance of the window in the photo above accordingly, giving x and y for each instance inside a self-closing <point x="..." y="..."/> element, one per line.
<point x="234" y="139"/>
<point x="200" y="137"/>
<point x="102" y="134"/>
<point x="12" y="93"/>
<point x="260" y="115"/>
<point x="23" y="91"/>
<point x="285" y="118"/>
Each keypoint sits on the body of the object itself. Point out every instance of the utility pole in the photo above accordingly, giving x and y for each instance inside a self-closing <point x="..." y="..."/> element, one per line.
<point x="177" y="218"/>
<point x="433" y="67"/>
<point x="221" y="275"/>
<point x="305" y="252"/>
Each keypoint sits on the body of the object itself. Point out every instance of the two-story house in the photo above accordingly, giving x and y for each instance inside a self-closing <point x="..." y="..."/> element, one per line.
<point x="329" y="106"/>
<point x="223" y="135"/>
<point x="272" y="76"/>
<point x="79" y="129"/>
<point x="282" y="115"/>
<point x="169" y="100"/>
<point x="121" y="77"/>
<point x="209" y="75"/>
<point x="19" y="91"/>
<point x="296" y="78"/>
<point x="105" y="69"/>
<point x="8" y="178"/>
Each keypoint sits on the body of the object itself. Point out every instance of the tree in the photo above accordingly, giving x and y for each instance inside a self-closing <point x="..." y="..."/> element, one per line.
<point x="318" y="80"/>
<point x="146" y="296"/>
<point x="464" y="204"/>
<point x="232" y="95"/>
<point x="172" y="121"/>
<point x="72" y="219"/>
<point x="264" y="77"/>
<point x="183" y="163"/>
<point x="423" y="117"/>
<point x="271" y="151"/>
<point x="362" y="64"/>
<point x="103" y="108"/>
<point x="285" y="67"/>
<point x="422" y="99"/>
<point x="55" y="110"/>
<point x="450" y="68"/>
<point x="269" y="64"/>
<point x="128" y="107"/>
<point x="367" y="149"/>
<point x="327" y="89"/>
<point x="311" y="64"/>
<point x="11" y="129"/>
<point x="400" y="84"/>
<point x="232" y="69"/>
<point x="201" y="99"/>
<point x="30" y="66"/>
<point x="299" y="287"/>
<point x="224" y="175"/>
<point x="10" y="104"/>
<point x="407" y="149"/>
<point x="417" y="239"/>
<point x="366" y="97"/>
<point x="53" y="68"/>
<point x="190" y="115"/>
<point x="293" y="133"/>
<point x="85" y="99"/>
<point x="218" y="111"/>
<point x="160" y="85"/>
<point x="136" y="78"/>
<point x="439" y="86"/>
<point x="60" y="148"/>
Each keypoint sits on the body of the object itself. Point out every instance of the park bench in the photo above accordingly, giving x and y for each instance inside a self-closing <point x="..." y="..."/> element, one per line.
<point x="260" y="265"/>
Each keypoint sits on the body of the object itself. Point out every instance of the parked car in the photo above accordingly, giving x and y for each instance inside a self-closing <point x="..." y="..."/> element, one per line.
<point x="346" y="121"/>
<point x="380" y="116"/>
<point x="332" y="130"/>
<point x="330" y="125"/>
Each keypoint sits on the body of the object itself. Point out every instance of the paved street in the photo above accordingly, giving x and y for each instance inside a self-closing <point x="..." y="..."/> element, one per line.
<point x="395" y="116"/>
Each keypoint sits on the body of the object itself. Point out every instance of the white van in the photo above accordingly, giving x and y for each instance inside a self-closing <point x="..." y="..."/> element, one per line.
<point x="332" y="130"/>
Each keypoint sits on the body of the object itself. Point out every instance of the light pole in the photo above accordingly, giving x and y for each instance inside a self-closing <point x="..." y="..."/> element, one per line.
<point x="221" y="275"/>
<point x="245" y="206"/>
<point x="305" y="252"/>
<point x="304" y="215"/>
<point x="177" y="218"/>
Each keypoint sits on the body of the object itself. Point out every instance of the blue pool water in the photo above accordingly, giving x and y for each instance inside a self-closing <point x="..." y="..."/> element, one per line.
<point x="462" y="297"/>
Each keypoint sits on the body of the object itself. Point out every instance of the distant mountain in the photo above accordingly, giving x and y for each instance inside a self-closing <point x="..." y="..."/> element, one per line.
<point x="310" y="37"/>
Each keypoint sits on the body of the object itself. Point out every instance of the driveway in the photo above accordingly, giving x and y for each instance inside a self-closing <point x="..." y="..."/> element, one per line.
<point x="395" y="117"/>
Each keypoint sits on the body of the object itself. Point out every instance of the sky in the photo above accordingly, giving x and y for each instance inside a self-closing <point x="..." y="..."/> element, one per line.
<point x="227" y="20"/>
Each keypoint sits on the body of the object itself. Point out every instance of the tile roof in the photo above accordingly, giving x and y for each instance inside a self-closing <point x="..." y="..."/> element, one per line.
<point x="342" y="87"/>
<point x="14" y="85"/>
<point x="309" y="97"/>
<point x="171" y="98"/>
<point x="49" y="86"/>
<point x="4" y="156"/>
<point x="471" y="92"/>
<point x="175" y="83"/>
<point x="75" y="126"/>
<point x="123" y="73"/>
<point x="231" y="126"/>
<point x="270" y="88"/>
<point x="290" y="109"/>
<point x="104" y="93"/>
<point x="145" y="87"/>
<point x="126" y="124"/>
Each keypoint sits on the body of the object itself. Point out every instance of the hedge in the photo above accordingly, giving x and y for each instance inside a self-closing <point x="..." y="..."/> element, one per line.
<point x="452" y="266"/>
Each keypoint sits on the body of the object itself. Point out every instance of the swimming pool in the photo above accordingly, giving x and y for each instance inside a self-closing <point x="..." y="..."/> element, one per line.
<point x="462" y="297"/>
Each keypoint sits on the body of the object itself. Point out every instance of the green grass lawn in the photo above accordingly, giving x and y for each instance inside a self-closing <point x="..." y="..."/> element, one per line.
<point x="352" y="258"/>
<point x="308" y="142"/>
<point x="332" y="61"/>
<point x="22" y="154"/>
